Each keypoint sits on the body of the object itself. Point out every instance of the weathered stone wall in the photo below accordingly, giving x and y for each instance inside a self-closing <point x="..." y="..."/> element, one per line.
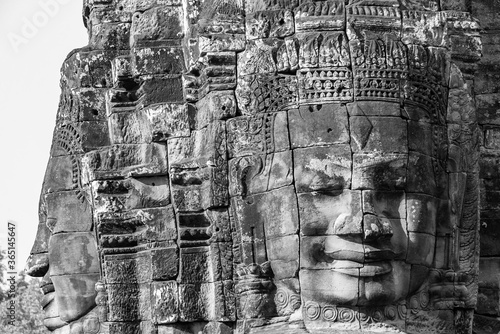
<point x="487" y="91"/>
<point x="180" y="160"/>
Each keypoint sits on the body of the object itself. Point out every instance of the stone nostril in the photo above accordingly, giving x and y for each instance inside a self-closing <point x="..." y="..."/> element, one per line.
<point x="46" y="284"/>
<point x="375" y="227"/>
<point x="346" y="224"/>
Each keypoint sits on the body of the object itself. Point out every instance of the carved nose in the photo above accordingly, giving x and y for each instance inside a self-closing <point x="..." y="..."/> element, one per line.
<point x="37" y="265"/>
<point x="368" y="226"/>
<point x="347" y="224"/>
<point x="376" y="227"/>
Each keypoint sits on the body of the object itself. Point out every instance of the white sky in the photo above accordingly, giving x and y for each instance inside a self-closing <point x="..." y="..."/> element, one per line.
<point x="29" y="95"/>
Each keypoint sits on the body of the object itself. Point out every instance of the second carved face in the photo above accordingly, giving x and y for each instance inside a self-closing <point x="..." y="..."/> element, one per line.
<point x="350" y="213"/>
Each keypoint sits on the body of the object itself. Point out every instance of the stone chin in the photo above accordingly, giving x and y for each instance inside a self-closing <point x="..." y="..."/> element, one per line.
<point x="75" y="296"/>
<point x="56" y="317"/>
<point x="51" y="318"/>
<point x="376" y="284"/>
<point x="87" y="323"/>
<point x="53" y="323"/>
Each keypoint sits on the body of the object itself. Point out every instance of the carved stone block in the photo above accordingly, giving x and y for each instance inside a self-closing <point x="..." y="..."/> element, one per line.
<point x="419" y="208"/>
<point x="125" y="328"/>
<point x="376" y="171"/>
<point x="259" y="57"/>
<point x="126" y="160"/>
<point x="266" y="93"/>
<point x="278" y="206"/>
<point x="129" y="128"/>
<point x="43" y="234"/>
<point x="98" y="63"/>
<point x="329" y="15"/>
<point x="205" y="301"/>
<point x="377" y="134"/>
<point x="206" y="264"/>
<point x="391" y="204"/>
<point x="80" y="137"/>
<point x="215" y="106"/>
<point x="110" y="36"/>
<point x="373" y="108"/>
<point x="168" y="120"/>
<point x="132" y="193"/>
<point x="377" y="17"/>
<point x="94" y="135"/>
<point x="252" y="219"/>
<point x="316" y="285"/>
<point x="67" y="299"/>
<point x="259" y="173"/>
<point x="221" y="43"/>
<point x="157" y="60"/>
<point x="419" y="168"/>
<point x="68" y="213"/>
<point x="198" y="168"/>
<point x="129" y="302"/>
<point x="67" y="255"/>
<point x="488" y="108"/>
<point x="263" y="133"/>
<point x="325" y="216"/>
<point x="156" y="24"/>
<point x="60" y="174"/>
<point x="165" y="263"/>
<point x="137" y="226"/>
<point x="161" y="89"/>
<point x="128" y="268"/>
<point x="431" y="26"/>
<point x="321" y="124"/>
<point x="283" y="252"/>
<point x="325" y="85"/>
<point x="92" y="104"/>
<point x="203" y="227"/>
<point x="202" y="149"/>
<point x="322" y="168"/>
<point x="490" y="233"/>
<point x="165" y="301"/>
<point x="265" y="24"/>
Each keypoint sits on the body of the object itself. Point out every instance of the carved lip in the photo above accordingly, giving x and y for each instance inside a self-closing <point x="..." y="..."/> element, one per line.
<point x="47" y="288"/>
<point x="361" y="257"/>
<point x="47" y="299"/>
<point x="53" y="323"/>
<point x="367" y="270"/>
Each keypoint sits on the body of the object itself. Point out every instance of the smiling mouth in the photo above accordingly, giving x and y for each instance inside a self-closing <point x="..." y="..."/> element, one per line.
<point x="47" y="299"/>
<point x="46" y="288"/>
<point x="360" y="263"/>
<point x="48" y="294"/>
<point x="361" y="256"/>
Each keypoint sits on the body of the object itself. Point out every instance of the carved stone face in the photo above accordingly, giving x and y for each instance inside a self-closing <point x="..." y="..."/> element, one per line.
<point x="368" y="202"/>
<point x="292" y="157"/>
<point x="73" y="270"/>
<point x="360" y="226"/>
<point x="65" y="251"/>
